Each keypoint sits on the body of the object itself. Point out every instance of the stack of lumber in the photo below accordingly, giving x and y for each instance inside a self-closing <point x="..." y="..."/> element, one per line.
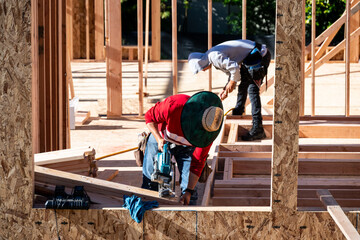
<point x="76" y="160"/>
<point x="329" y="158"/>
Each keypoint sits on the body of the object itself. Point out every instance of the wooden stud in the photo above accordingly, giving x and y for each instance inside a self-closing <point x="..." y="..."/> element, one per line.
<point x="354" y="24"/>
<point x="313" y="36"/>
<point x="147" y="20"/>
<point x="302" y="73"/>
<point x="114" y="60"/>
<point x="174" y="46"/>
<point x="140" y="55"/>
<point x="69" y="27"/>
<point x="87" y="27"/>
<point x="99" y="29"/>
<point x="155" y="31"/>
<point x="210" y="39"/>
<point x="243" y="15"/>
<point x="347" y="59"/>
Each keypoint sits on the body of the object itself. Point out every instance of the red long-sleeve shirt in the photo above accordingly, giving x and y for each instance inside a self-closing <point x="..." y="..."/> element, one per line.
<point x="167" y="115"/>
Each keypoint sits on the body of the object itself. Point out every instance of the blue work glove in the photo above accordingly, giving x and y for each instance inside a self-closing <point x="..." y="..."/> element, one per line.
<point x="137" y="207"/>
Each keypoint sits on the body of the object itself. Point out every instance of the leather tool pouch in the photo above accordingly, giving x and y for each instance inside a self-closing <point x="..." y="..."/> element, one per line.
<point x="140" y="152"/>
<point x="205" y="173"/>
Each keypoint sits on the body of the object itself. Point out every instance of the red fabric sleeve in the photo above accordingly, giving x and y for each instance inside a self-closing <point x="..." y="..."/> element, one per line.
<point x="158" y="113"/>
<point x="198" y="160"/>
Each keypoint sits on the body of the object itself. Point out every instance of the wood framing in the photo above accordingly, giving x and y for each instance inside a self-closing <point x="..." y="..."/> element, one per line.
<point x="20" y="220"/>
<point x="155" y="30"/>
<point x="114" y="59"/>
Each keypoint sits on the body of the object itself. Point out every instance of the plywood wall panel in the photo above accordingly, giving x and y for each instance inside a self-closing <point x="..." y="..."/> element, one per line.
<point x="170" y="225"/>
<point x="286" y="107"/>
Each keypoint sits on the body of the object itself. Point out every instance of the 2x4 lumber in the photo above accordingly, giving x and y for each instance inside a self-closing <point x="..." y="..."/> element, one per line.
<point x="99" y="186"/>
<point x="63" y="155"/>
<point x="313" y="34"/>
<point x="324" y="155"/>
<point x="354" y="24"/>
<point x="99" y="29"/>
<point x="302" y="148"/>
<point x="140" y="54"/>
<point x="338" y="215"/>
<point x="214" y="167"/>
<point x="303" y="181"/>
<point x="69" y="28"/>
<point x="306" y="166"/>
<point x="114" y="59"/>
<point x="210" y="39"/>
<point x="228" y="171"/>
<point x="347" y="60"/>
<point x="155" y="30"/>
<point x="265" y="201"/>
<point x="334" y="27"/>
<point x="35" y="58"/>
<point x="81" y="117"/>
<point x="87" y="28"/>
<point x="243" y="17"/>
<point x="174" y="45"/>
<point x="233" y="134"/>
<point x="327" y="118"/>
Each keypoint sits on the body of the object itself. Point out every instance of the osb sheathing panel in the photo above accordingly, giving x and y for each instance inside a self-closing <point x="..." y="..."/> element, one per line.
<point x="286" y="108"/>
<point x="18" y="220"/>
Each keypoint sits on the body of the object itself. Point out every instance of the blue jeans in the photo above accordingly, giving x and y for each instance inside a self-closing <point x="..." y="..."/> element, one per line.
<point x="182" y="155"/>
<point x="246" y="86"/>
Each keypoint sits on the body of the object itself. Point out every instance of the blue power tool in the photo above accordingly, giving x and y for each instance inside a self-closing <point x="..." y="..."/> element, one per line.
<point x="163" y="172"/>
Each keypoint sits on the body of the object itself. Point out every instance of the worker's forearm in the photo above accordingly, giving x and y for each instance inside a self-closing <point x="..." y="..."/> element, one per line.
<point x="193" y="179"/>
<point x="153" y="127"/>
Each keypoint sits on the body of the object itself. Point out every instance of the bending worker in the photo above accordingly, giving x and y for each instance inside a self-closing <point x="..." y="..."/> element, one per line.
<point x="243" y="61"/>
<point x="191" y="124"/>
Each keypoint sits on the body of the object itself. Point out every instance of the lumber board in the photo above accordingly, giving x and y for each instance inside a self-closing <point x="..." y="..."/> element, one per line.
<point x="233" y="134"/>
<point x="248" y="147"/>
<point x="107" y="174"/>
<point x="81" y="117"/>
<point x="304" y="155"/>
<point x="63" y="155"/>
<point x="338" y="215"/>
<point x="51" y="176"/>
<point x="306" y="166"/>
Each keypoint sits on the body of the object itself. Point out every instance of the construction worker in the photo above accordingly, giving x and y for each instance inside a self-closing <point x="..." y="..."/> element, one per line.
<point x="191" y="124"/>
<point x="243" y="61"/>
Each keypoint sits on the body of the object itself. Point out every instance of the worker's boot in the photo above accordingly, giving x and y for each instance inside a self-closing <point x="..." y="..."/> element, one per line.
<point x="256" y="133"/>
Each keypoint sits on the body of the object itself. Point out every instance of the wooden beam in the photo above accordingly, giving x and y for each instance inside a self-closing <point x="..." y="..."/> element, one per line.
<point x="302" y="73"/>
<point x="313" y="35"/>
<point x="338" y="215"/>
<point x="99" y="29"/>
<point x="140" y="55"/>
<point x="114" y="60"/>
<point x="99" y="186"/>
<point x="147" y="20"/>
<point x="174" y="46"/>
<point x="347" y="60"/>
<point x="87" y="27"/>
<point x="107" y="174"/>
<point x="69" y="27"/>
<point x="155" y="31"/>
<point x="63" y="155"/>
<point x="233" y="134"/>
<point x="354" y="24"/>
<point x="243" y="16"/>
<point x="210" y="39"/>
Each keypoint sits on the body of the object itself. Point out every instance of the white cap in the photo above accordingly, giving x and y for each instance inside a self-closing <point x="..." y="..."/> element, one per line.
<point x="198" y="61"/>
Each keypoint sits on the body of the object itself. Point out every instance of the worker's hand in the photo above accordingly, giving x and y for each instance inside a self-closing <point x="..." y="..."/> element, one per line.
<point x="230" y="86"/>
<point x="161" y="143"/>
<point x="185" y="198"/>
<point x="223" y="95"/>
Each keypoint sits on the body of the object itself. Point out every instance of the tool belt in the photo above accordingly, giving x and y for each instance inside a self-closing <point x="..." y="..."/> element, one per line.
<point x="139" y="153"/>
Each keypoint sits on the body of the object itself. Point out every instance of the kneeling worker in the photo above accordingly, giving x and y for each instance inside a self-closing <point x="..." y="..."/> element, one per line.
<point x="191" y="124"/>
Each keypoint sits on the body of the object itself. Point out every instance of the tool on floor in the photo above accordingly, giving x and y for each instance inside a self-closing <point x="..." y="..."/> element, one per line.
<point x="164" y="172"/>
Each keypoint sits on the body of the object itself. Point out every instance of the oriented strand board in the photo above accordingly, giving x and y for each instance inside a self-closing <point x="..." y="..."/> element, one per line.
<point x="286" y="108"/>
<point x="19" y="220"/>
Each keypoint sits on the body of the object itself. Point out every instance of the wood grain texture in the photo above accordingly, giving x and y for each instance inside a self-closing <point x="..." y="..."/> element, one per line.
<point x="19" y="220"/>
<point x="286" y="107"/>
